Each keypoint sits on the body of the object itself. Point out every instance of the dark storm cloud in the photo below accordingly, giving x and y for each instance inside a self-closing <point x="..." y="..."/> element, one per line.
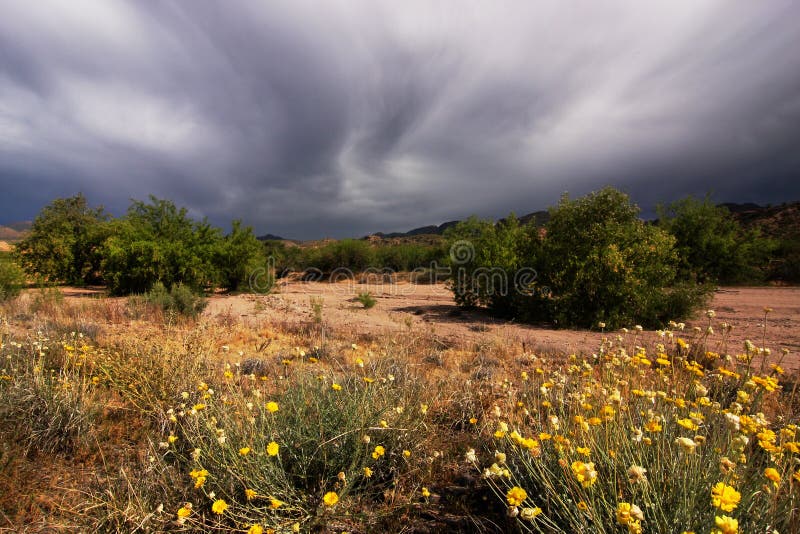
<point x="343" y="117"/>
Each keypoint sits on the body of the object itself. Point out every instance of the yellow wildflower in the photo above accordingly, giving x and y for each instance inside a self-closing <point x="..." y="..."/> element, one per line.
<point x="725" y="525"/>
<point x="528" y="514"/>
<point x="219" y="507"/>
<point x="725" y="497"/>
<point x="272" y="406"/>
<point x="584" y="473"/>
<point x="516" y="496"/>
<point x="272" y="448"/>
<point x="627" y="512"/>
<point x="330" y="498"/>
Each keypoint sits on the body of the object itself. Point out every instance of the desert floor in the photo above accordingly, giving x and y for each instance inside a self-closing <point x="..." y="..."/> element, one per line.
<point x="402" y="307"/>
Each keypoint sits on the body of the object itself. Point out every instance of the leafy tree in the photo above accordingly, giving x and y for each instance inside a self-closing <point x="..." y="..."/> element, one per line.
<point x="65" y="241"/>
<point x="238" y="255"/>
<point x="712" y="245"/>
<point x="158" y="242"/>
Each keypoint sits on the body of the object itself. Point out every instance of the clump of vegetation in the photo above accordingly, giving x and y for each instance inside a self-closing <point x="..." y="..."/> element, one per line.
<point x="155" y="241"/>
<point x="366" y="299"/>
<point x="351" y="256"/>
<point x="12" y="279"/>
<point x="178" y="300"/>
<point x="596" y="262"/>
<point x="712" y="246"/>
<point x="65" y="242"/>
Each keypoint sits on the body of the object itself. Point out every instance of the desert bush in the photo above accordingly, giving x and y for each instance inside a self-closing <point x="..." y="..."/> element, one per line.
<point x="12" y="279"/>
<point x="401" y="257"/>
<point x="366" y="299"/>
<point x="238" y="257"/>
<point x="282" y="452"/>
<point x="712" y="246"/>
<point x="158" y="242"/>
<point x="596" y="263"/>
<point x="485" y="259"/>
<point x="603" y="264"/>
<point x="47" y="400"/>
<point x="351" y="254"/>
<point x="178" y="300"/>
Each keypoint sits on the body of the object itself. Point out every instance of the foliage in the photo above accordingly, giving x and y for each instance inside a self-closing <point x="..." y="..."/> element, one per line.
<point x="302" y="440"/>
<point x="485" y="260"/>
<point x="158" y="242"/>
<point x="597" y="262"/>
<point x="603" y="264"/>
<point x="366" y="299"/>
<point x="712" y="246"/>
<point x="177" y="300"/>
<point x="12" y="279"/>
<point x="352" y="255"/>
<point x="64" y="242"/>
<point x="52" y="408"/>
<point x="238" y="256"/>
<point x="787" y="265"/>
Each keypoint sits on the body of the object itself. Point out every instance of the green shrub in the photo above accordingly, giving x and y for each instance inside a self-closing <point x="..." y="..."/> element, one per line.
<point x="180" y="300"/>
<point x="239" y="258"/>
<point x="597" y="262"/>
<point x="12" y="279"/>
<point x="350" y="254"/>
<point x="485" y="259"/>
<point x="712" y="246"/>
<point x="366" y="299"/>
<point x="158" y="242"/>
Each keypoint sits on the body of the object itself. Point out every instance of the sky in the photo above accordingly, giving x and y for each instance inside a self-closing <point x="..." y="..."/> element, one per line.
<point x="327" y="118"/>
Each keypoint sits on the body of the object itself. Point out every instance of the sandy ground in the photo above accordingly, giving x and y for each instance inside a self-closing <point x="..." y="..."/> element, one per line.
<point x="404" y="307"/>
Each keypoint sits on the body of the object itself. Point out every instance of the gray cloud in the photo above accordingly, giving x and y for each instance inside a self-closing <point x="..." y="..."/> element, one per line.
<point x="337" y="118"/>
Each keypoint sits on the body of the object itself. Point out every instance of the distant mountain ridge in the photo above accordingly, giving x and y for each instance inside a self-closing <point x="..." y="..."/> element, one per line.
<point x="15" y="231"/>
<point x="774" y="221"/>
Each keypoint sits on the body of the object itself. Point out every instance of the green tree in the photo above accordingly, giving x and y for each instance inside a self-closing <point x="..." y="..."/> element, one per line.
<point x="238" y="255"/>
<point x="158" y="242"/>
<point x="65" y="241"/>
<point x="712" y="246"/>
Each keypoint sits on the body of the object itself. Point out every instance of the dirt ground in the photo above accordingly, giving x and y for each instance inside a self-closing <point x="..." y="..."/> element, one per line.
<point x="406" y="307"/>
